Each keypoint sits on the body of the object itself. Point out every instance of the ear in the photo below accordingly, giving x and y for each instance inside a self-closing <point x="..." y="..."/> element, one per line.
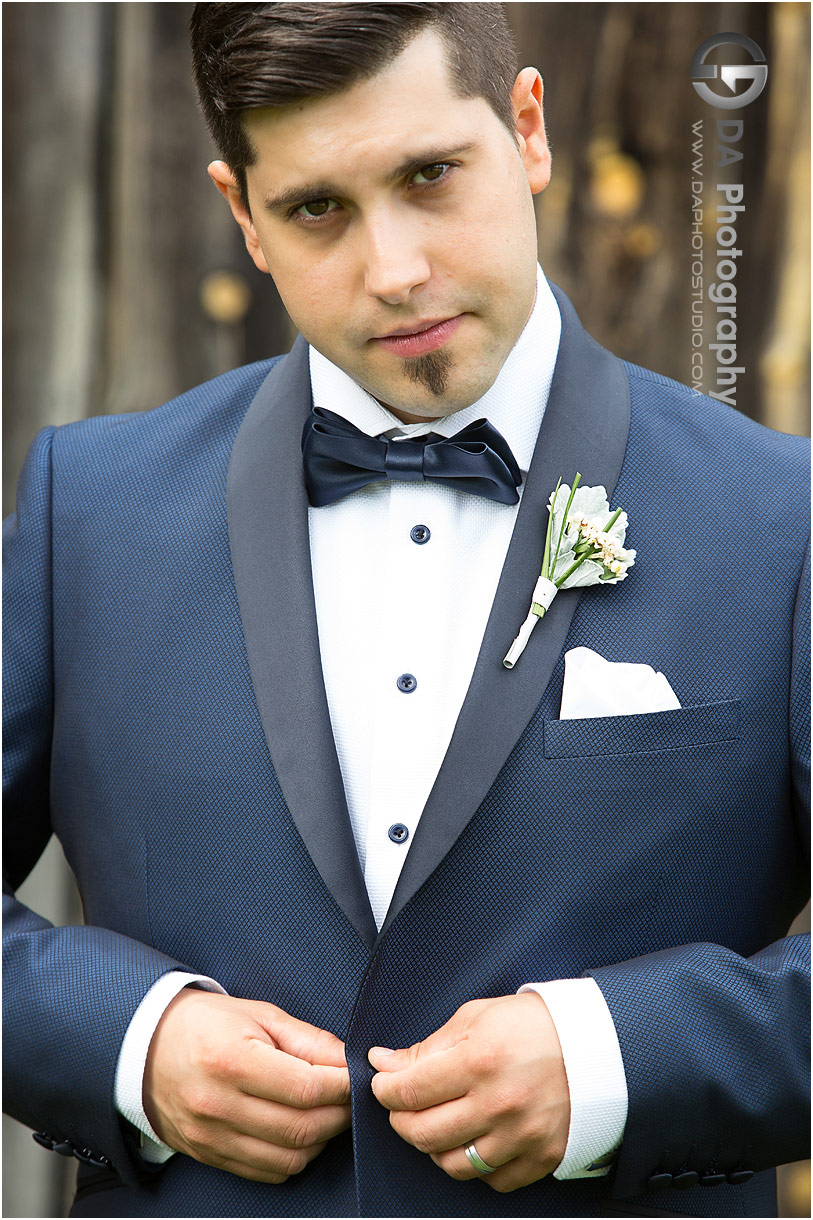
<point x="526" y="98"/>
<point x="226" y="183"/>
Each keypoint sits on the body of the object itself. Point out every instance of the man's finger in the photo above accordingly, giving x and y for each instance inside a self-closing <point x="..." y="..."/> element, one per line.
<point x="455" y="1030"/>
<point x="428" y="1081"/>
<point x="284" y="1125"/>
<point x="252" y="1158"/>
<point x="443" y="1128"/>
<point x="457" y="1164"/>
<point x="264" y="1071"/>
<point x="384" y="1059"/>
<point x="302" y="1040"/>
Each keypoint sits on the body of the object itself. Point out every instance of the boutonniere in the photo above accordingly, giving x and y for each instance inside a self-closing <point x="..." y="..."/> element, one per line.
<point x="583" y="546"/>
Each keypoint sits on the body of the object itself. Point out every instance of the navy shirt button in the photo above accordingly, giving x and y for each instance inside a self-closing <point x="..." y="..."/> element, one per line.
<point x="407" y="683"/>
<point x="420" y="534"/>
<point x="399" y="833"/>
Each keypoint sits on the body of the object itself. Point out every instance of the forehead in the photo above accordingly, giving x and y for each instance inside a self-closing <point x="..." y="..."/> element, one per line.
<point x="411" y="103"/>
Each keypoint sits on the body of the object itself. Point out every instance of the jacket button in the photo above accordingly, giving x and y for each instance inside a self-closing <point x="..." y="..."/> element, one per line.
<point x="659" y="1181"/>
<point x="43" y="1140"/>
<point x="740" y="1176"/>
<point x="65" y="1148"/>
<point x="684" y="1180"/>
<point x="712" y="1179"/>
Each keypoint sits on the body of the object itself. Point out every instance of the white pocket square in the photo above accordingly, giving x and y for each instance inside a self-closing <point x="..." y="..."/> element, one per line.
<point x="596" y="687"/>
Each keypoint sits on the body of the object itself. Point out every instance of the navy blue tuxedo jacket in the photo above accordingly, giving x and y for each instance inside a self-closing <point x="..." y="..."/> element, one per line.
<point x="166" y="718"/>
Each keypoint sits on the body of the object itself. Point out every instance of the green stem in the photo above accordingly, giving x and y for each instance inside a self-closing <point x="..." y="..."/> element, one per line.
<point x="570" y="571"/>
<point x="546" y="553"/>
<point x="564" y="521"/>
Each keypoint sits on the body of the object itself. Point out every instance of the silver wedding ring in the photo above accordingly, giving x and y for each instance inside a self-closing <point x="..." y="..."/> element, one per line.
<point x="477" y="1161"/>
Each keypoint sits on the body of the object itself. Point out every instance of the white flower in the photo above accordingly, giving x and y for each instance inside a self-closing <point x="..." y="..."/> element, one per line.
<point x="584" y="545"/>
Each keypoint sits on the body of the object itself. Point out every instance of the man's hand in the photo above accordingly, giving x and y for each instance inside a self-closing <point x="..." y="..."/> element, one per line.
<point x="493" y="1075"/>
<point x="243" y="1086"/>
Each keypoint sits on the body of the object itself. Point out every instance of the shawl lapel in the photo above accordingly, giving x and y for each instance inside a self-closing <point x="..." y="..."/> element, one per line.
<point x="585" y="428"/>
<point x="268" y="536"/>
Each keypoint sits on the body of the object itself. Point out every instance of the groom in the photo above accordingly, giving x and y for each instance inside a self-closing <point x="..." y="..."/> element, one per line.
<point x="316" y="823"/>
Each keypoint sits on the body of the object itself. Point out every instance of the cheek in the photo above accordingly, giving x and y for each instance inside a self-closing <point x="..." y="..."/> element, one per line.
<point x="312" y="287"/>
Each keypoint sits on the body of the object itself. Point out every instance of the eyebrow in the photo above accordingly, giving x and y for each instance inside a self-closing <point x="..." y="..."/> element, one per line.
<point x="280" y="201"/>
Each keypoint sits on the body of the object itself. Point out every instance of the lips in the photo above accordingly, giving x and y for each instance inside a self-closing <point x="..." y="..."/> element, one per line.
<point x="423" y="338"/>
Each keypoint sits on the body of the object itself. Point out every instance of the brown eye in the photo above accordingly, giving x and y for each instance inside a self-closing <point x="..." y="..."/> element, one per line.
<point x="316" y="207"/>
<point x="431" y="173"/>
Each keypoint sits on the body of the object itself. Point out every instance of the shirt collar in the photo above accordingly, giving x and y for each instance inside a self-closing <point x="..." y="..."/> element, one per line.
<point x="515" y="403"/>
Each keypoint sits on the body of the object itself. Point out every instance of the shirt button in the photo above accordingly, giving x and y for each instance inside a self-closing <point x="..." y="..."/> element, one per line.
<point x="420" y="534"/>
<point x="407" y="683"/>
<point x="399" y="833"/>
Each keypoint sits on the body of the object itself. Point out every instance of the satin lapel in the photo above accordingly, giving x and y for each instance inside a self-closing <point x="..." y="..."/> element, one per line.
<point x="584" y="429"/>
<point x="268" y="535"/>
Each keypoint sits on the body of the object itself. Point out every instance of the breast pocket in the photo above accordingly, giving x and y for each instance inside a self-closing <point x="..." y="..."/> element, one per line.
<point x="645" y="732"/>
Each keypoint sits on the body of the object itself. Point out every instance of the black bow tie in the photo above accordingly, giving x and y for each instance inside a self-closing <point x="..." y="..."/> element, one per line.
<point x="339" y="459"/>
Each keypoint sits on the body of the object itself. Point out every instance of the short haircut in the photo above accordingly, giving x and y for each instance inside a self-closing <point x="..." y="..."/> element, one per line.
<point x="248" y="56"/>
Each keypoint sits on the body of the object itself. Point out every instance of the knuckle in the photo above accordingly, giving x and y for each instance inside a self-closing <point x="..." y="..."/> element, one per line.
<point x="293" y="1161"/>
<point x="409" y="1095"/>
<point x="507" y="1103"/>
<point x="301" y="1131"/>
<point x="469" y="1011"/>
<point x="307" y="1091"/>
<point x="485" y="1057"/>
<point x="502" y="1188"/>
<point x="420" y="1136"/>
<point x="200" y="1103"/>
<point x="448" y="1162"/>
<point x="215" y="1061"/>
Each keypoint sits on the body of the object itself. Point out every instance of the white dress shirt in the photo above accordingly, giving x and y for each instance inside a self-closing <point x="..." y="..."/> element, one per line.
<point x="392" y="601"/>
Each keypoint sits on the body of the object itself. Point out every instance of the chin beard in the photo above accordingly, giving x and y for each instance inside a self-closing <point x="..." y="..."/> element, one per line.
<point x="431" y="371"/>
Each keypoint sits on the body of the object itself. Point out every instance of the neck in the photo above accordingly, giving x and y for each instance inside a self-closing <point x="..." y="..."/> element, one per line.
<point x="406" y="417"/>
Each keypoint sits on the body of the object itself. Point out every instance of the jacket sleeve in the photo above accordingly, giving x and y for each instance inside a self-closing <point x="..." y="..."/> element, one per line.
<point x="715" y="1045"/>
<point x="69" y="992"/>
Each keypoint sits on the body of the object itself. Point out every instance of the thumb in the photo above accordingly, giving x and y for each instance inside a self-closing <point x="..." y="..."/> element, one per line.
<point x="385" y="1060"/>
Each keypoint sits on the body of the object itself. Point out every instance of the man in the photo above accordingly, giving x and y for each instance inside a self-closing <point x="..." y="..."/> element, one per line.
<point x="323" y="835"/>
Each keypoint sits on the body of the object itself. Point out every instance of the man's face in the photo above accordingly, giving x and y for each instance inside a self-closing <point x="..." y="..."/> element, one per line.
<point x="397" y="222"/>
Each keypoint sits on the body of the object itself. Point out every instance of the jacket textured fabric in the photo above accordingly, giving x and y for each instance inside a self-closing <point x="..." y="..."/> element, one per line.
<point x="166" y="719"/>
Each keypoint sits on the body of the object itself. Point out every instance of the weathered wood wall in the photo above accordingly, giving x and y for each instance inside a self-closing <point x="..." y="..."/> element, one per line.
<point x="113" y="230"/>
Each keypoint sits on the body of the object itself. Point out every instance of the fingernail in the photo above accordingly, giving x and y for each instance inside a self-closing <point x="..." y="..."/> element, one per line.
<point x="381" y="1050"/>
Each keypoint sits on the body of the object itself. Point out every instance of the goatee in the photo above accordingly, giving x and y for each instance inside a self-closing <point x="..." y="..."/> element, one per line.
<point x="431" y="371"/>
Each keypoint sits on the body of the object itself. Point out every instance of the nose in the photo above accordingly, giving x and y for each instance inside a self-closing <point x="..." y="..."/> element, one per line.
<point x="396" y="261"/>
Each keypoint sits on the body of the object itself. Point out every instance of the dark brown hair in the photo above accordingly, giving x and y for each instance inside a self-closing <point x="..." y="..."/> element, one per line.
<point x="247" y="56"/>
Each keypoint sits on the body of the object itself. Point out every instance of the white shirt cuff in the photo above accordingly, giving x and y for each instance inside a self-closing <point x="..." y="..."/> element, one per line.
<point x="129" y="1082"/>
<point x="595" y="1075"/>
